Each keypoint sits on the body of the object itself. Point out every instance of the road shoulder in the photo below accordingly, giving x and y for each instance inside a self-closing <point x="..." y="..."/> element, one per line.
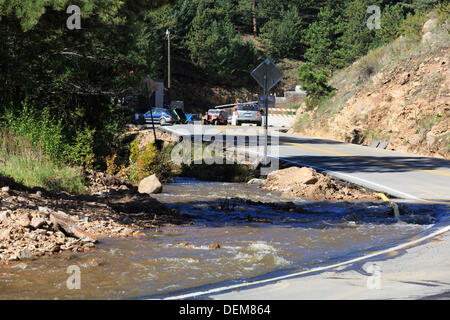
<point x="421" y="271"/>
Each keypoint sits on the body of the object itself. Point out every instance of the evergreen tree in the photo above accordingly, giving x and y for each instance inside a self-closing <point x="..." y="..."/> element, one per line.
<point x="321" y="38"/>
<point x="216" y="47"/>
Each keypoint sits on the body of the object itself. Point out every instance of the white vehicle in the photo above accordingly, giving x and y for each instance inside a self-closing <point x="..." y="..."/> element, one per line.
<point x="247" y="114"/>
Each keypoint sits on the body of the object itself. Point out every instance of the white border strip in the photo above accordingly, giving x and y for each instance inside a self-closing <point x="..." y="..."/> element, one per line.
<point x="242" y="285"/>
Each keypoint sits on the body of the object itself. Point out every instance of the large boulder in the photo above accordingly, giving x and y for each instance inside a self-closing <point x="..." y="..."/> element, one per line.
<point x="150" y="185"/>
<point x="293" y="175"/>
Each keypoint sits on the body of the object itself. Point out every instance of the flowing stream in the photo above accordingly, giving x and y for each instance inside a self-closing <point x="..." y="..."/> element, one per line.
<point x="255" y="240"/>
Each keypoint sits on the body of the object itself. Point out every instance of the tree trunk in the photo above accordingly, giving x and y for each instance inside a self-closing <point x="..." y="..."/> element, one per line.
<point x="255" y="31"/>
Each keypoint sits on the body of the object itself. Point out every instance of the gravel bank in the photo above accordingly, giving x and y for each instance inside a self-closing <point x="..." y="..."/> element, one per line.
<point x="36" y="223"/>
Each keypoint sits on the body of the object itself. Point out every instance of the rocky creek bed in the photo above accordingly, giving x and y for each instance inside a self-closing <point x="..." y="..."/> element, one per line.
<point x="37" y="223"/>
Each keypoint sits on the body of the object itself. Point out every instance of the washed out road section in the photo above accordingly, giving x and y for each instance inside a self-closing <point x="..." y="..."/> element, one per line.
<point x="399" y="174"/>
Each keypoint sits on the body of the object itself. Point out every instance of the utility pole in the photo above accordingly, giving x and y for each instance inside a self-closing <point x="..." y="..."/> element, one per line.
<point x="266" y="110"/>
<point x="168" y="64"/>
<point x="255" y="31"/>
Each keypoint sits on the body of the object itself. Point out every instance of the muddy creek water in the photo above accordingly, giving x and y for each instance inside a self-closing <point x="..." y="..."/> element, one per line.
<point x="255" y="240"/>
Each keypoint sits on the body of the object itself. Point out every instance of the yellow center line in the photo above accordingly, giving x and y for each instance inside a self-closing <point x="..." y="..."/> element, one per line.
<point x="438" y="172"/>
<point x="442" y="173"/>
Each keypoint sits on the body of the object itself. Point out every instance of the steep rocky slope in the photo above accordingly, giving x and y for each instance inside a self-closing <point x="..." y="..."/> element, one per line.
<point x="398" y="93"/>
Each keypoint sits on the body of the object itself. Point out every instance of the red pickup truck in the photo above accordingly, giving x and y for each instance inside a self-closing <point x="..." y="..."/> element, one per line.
<point x="214" y="116"/>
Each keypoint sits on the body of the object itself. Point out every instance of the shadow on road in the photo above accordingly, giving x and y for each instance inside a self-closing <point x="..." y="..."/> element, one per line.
<point x="371" y="164"/>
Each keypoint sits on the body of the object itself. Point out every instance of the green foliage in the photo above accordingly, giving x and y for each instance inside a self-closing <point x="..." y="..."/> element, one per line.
<point x="391" y="21"/>
<point x="78" y="75"/>
<point x="150" y="161"/>
<point x="134" y="151"/>
<point x="39" y="126"/>
<point x="321" y="40"/>
<point x="412" y="25"/>
<point x="145" y="160"/>
<point x="357" y="39"/>
<point x="216" y="47"/>
<point x="283" y="38"/>
<point x="302" y="122"/>
<point x="82" y="151"/>
<point x="111" y="124"/>
<point x="28" y="164"/>
<point x="443" y="10"/>
<point x="29" y="12"/>
<point x="315" y="82"/>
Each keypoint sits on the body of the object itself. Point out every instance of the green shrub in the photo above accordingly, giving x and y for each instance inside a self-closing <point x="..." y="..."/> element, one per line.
<point x="40" y="127"/>
<point x="108" y="130"/>
<point x="412" y="25"/>
<point x="150" y="161"/>
<point x="146" y="160"/>
<point x="134" y="150"/>
<point x="315" y="82"/>
<point x="28" y="164"/>
<point x="82" y="151"/>
<point x="443" y="11"/>
<point x="111" y="166"/>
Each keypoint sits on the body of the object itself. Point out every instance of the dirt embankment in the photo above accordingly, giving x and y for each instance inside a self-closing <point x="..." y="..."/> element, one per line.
<point x="36" y="223"/>
<point x="146" y="136"/>
<point x="308" y="183"/>
<point x="398" y="93"/>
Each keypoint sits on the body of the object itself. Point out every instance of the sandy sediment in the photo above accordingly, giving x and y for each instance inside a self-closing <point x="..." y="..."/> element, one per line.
<point x="308" y="183"/>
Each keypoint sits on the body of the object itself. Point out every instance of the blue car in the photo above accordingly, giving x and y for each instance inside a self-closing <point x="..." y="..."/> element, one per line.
<point x="160" y="115"/>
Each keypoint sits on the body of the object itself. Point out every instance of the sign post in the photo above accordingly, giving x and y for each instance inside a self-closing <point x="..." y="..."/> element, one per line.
<point x="149" y="87"/>
<point x="267" y="74"/>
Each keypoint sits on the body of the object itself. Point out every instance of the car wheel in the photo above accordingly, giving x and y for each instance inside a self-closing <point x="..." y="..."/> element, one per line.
<point x="259" y="124"/>
<point x="162" y="121"/>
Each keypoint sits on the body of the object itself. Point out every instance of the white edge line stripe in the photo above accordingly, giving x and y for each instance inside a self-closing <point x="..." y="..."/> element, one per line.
<point x="241" y="285"/>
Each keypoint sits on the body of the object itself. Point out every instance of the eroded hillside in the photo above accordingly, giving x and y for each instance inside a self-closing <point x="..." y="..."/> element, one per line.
<point x="398" y="93"/>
